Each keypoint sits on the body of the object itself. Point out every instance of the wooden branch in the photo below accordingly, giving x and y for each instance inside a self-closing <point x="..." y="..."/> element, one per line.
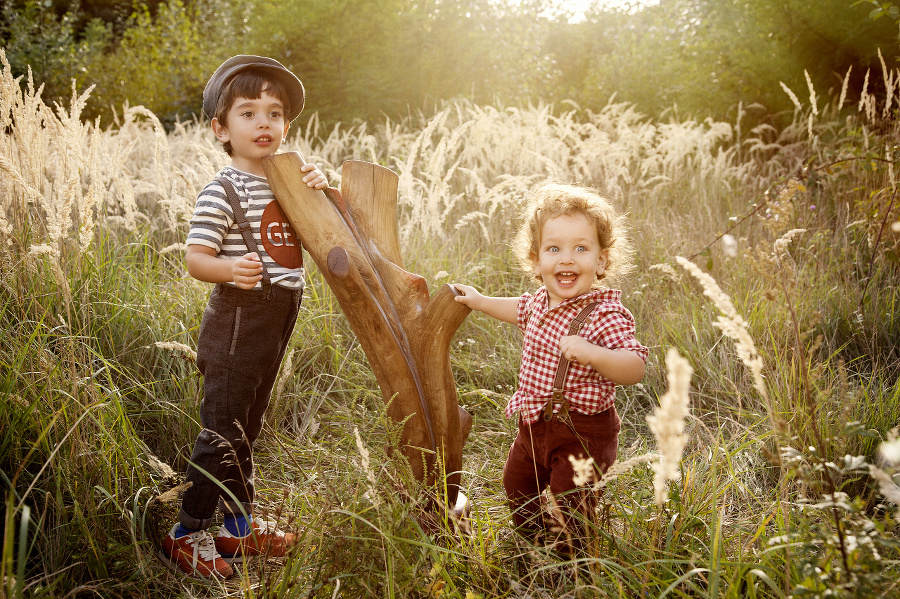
<point x="352" y="237"/>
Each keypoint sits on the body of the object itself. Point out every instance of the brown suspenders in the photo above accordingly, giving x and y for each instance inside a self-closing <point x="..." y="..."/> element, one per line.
<point x="245" y="227"/>
<point x="559" y="382"/>
<point x="562" y="370"/>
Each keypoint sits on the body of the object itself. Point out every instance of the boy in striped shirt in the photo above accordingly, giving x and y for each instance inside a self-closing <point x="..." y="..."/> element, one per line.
<point x="240" y="240"/>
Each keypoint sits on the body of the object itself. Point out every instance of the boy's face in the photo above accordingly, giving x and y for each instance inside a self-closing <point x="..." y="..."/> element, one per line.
<point x="255" y="129"/>
<point x="569" y="257"/>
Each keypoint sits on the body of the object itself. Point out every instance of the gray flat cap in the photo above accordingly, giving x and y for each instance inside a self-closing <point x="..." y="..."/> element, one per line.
<point x="244" y="62"/>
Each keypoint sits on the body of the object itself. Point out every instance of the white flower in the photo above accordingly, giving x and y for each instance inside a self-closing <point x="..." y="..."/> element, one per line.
<point x="584" y="471"/>
<point x="667" y="423"/>
<point x="175" y="347"/>
<point x="890" y="450"/>
<point x="886" y="485"/>
<point x="729" y="246"/>
<point x="782" y="243"/>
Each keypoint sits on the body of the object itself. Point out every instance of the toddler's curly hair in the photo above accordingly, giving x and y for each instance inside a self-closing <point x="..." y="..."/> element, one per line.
<point x="551" y="200"/>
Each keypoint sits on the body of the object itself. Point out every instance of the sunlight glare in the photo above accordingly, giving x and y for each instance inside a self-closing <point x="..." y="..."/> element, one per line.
<point x="577" y="7"/>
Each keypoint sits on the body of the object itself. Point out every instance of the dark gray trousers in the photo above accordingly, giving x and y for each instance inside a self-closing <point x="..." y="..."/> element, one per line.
<point x="243" y="338"/>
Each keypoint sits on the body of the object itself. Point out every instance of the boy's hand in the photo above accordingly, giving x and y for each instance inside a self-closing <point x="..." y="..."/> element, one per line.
<point x="246" y="271"/>
<point x="314" y="177"/>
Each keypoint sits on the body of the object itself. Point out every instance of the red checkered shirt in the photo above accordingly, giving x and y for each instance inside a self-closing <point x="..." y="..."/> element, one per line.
<point x="609" y="325"/>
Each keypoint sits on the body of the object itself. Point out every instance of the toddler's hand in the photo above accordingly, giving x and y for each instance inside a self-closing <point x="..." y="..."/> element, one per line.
<point x="575" y="348"/>
<point x="246" y="271"/>
<point x="468" y="295"/>
<point x="314" y="177"/>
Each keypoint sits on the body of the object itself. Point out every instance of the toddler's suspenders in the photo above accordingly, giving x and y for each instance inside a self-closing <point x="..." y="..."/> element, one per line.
<point x="246" y="231"/>
<point x="562" y="370"/>
<point x="559" y="382"/>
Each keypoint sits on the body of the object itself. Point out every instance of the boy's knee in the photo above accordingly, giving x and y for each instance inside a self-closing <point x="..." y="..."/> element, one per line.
<point x="223" y="442"/>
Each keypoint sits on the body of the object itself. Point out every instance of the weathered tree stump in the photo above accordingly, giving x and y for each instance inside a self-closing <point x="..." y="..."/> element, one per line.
<point x="352" y="237"/>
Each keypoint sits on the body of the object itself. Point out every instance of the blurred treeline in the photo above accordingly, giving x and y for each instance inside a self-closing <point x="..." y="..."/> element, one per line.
<point x="367" y="60"/>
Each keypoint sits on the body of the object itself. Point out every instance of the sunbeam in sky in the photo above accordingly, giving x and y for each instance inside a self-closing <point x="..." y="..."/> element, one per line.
<point x="577" y="7"/>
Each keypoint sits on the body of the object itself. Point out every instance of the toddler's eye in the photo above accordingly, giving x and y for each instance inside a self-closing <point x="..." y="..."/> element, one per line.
<point x="581" y="248"/>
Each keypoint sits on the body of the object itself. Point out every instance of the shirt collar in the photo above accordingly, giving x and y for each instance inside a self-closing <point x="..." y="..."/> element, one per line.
<point x="599" y="295"/>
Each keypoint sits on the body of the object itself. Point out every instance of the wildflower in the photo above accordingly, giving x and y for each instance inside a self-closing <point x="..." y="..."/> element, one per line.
<point x="782" y="243"/>
<point x="172" y="494"/>
<point x="6" y="229"/>
<point x="175" y="247"/>
<point x="38" y="250"/>
<point x="731" y="324"/>
<point x="160" y="467"/>
<point x="667" y="423"/>
<point x="890" y="449"/>
<point x="584" y="470"/>
<point x="618" y="468"/>
<point x="666" y="269"/>
<point x="844" y="88"/>
<point x="812" y="94"/>
<point x="886" y="484"/>
<point x="174" y="346"/>
<point x="791" y="95"/>
<point x="896" y="227"/>
<point x="729" y="246"/>
<point x="371" y="495"/>
<point x="287" y="369"/>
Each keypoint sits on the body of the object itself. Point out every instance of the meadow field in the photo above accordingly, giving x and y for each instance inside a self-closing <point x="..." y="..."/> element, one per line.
<point x="758" y="457"/>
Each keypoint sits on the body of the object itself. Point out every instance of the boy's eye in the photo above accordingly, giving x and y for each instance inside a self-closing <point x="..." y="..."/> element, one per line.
<point x="275" y="114"/>
<point x="247" y="114"/>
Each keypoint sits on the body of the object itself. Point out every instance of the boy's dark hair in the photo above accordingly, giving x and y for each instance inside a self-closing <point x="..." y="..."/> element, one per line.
<point x="247" y="84"/>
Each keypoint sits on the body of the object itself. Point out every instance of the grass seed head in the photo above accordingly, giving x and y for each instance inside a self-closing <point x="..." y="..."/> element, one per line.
<point x="668" y="423"/>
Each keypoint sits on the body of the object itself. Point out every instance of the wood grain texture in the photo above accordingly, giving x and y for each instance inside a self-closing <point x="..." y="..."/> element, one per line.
<point x="351" y="235"/>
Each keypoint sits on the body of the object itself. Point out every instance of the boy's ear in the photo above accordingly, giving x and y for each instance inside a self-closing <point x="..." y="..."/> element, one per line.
<point x="219" y="130"/>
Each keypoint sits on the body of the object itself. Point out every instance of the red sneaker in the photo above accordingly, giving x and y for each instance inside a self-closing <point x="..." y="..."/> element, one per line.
<point x="195" y="555"/>
<point x="265" y="538"/>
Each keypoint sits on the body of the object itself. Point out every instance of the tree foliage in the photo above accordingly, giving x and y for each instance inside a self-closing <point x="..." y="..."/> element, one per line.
<point x="707" y="56"/>
<point x="162" y="61"/>
<point x="57" y="52"/>
<point x="362" y="59"/>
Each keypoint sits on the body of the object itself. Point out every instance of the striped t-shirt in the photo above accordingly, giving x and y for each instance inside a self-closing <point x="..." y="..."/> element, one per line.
<point x="213" y="225"/>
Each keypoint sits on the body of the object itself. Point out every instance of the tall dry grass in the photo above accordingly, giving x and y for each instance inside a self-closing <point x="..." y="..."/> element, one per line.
<point x="781" y="387"/>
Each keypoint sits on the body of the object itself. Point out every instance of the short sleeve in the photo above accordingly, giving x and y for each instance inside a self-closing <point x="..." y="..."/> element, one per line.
<point x="617" y="331"/>
<point x="212" y="218"/>
<point x="524" y="310"/>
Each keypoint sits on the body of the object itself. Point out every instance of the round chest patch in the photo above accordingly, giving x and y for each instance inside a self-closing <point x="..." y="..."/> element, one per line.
<point x="278" y="237"/>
